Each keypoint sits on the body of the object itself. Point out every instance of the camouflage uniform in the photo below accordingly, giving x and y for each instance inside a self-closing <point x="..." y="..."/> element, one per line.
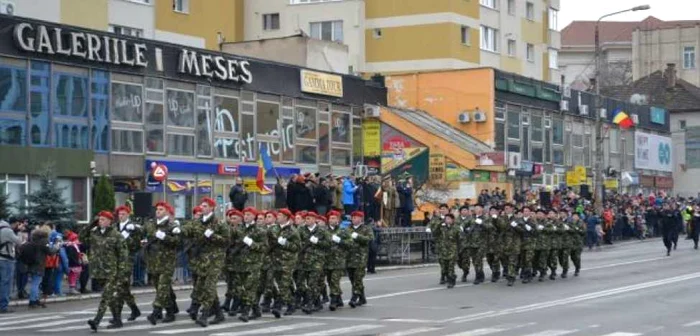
<point x="510" y="237"/>
<point x="565" y="248"/>
<point x="577" y="233"/>
<point x="108" y="255"/>
<point x="334" y="266"/>
<point x="233" y="273"/>
<point x="208" y="256"/>
<point x="542" y="243"/>
<point x="463" y="252"/>
<point x="284" y="258"/>
<point x="161" y="256"/>
<point x="190" y="229"/>
<point x="554" y="231"/>
<point x="311" y="259"/>
<point x="476" y="232"/>
<point x="493" y="247"/>
<point x="267" y="280"/>
<point x="356" y="261"/>
<point x="249" y="263"/>
<point x="133" y="234"/>
<point x="434" y="225"/>
<point x="529" y="242"/>
<point x="449" y="236"/>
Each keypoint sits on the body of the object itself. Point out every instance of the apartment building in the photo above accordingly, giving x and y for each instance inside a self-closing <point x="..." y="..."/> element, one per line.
<point x="200" y="24"/>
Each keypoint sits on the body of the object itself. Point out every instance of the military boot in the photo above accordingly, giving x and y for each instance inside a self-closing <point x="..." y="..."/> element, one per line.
<point x="135" y="312"/>
<point x="576" y="272"/>
<point x="495" y="276"/>
<point x="464" y="276"/>
<point x="451" y="281"/>
<point x="245" y="310"/>
<point x="332" y="305"/>
<point x="116" y="321"/>
<point x="227" y="304"/>
<point x="255" y="313"/>
<point x="291" y="309"/>
<point x="173" y="304"/>
<point x="362" y="300"/>
<point x="553" y="275"/>
<point x="317" y="305"/>
<point x="526" y="277"/>
<point x="235" y="306"/>
<point x="479" y="277"/>
<point x="543" y="275"/>
<point x="155" y="315"/>
<point x="277" y="308"/>
<point x="308" y="306"/>
<point x="95" y="322"/>
<point x="170" y="315"/>
<point x="116" y="311"/>
<point x="442" y="279"/>
<point x="194" y="311"/>
<point x="218" y="313"/>
<point x="353" y="301"/>
<point x="203" y="319"/>
<point x="564" y="274"/>
<point x="511" y="281"/>
<point x="265" y="305"/>
<point x="339" y="303"/>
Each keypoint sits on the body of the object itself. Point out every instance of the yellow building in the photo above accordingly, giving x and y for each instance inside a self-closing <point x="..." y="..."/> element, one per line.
<point x="196" y="23"/>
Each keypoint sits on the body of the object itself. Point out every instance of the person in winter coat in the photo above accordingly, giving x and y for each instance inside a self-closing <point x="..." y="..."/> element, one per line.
<point x="405" y="190"/>
<point x="238" y="195"/>
<point x="349" y="189"/>
<point x="695" y="226"/>
<point x="8" y="242"/>
<point x="322" y="195"/>
<point x="72" y="249"/>
<point x="280" y="195"/>
<point x="34" y="256"/>
<point x="669" y="227"/>
<point x="63" y="269"/>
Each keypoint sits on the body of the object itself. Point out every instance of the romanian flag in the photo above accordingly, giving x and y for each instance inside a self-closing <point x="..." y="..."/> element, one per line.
<point x="621" y="119"/>
<point x="264" y="165"/>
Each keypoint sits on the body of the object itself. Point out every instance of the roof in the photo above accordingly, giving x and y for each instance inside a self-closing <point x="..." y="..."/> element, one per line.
<point x="683" y="97"/>
<point x="582" y="33"/>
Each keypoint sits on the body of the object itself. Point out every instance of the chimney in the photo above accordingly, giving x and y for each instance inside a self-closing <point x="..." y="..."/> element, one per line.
<point x="670" y="75"/>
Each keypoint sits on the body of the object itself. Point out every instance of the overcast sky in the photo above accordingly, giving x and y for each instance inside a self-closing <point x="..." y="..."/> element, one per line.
<point x="593" y="9"/>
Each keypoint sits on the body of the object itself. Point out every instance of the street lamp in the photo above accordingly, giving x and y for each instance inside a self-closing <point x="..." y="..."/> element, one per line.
<point x="599" y="190"/>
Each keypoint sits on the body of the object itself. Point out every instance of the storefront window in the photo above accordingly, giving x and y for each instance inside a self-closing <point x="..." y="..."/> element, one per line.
<point x="100" y="110"/>
<point x="39" y="103"/>
<point x="227" y="148"/>
<point x="181" y="144"/>
<point x="248" y="151"/>
<point x="204" y="122"/>
<point x="180" y="108"/>
<point x="341" y="127"/>
<point x="13" y="86"/>
<point x="71" y="136"/>
<point x="306" y="154"/>
<point x="268" y="117"/>
<point x="12" y="132"/>
<point x="287" y="140"/>
<point x="70" y="94"/>
<point x="127" y="102"/>
<point x="341" y="157"/>
<point x="127" y="141"/>
<point x="154" y="128"/>
<point x="305" y="123"/>
<point x="226" y="109"/>
<point x="324" y="144"/>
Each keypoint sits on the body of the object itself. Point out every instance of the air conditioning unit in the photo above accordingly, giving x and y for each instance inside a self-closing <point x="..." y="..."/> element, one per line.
<point x="372" y="111"/>
<point x="514" y="161"/>
<point x="548" y="123"/>
<point x="583" y="109"/>
<point x="603" y="113"/>
<point x="567" y="91"/>
<point x="479" y="116"/>
<point x="464" y="117"/>
<point x="635" y="119"/>
<point x="7" y="7"/>
<point x="564" y="105"/>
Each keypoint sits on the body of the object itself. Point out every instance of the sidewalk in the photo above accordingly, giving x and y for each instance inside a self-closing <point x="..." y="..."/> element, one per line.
<point x="151" y="290"/>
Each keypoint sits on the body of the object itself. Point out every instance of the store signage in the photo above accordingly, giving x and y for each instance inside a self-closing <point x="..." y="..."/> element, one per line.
<point x="219" y="67"/>
<point x="228" y="170"/>
<point x="159" y="172"/>
<point x="321" y="83"/>
<point x="92" y="47"/>
<point x="652" y="152"/>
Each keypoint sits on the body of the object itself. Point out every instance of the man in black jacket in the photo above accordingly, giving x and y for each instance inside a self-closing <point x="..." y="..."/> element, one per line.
<point x="322" y="196"/>
<point x="280" y="195"/>
<point x="668" y="227"/>
<point x="238" y="196"/>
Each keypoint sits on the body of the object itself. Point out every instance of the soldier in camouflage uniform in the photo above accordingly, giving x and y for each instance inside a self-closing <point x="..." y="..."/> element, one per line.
<point x="162" y="242"/>
<point x="108" y="254"/>
<point x="252" y="241"/>
<point x="463" y="256"/>
<point x="542" y="242"/>
<point x="577" y="235"/>
<point x="555" y="231"/>
<point x="434" y="224"/>
<point x="266" y="286"/>
<point x="476" y="242"/>
<point x="132" y="233"/>
<point x="565" y="248"/>
<point x="284" y="257"/>
<point x="334" y="267"/>
<point x="299" y="222"/>
<point x="189" y="250"/>
<point x="529" y="242"/>
<point x="510" y="238"/>
<point x="493" y="244"/>
<point x="449" y="235"/>
<point x="322" y="221"/>
<point x="209" y="238"/>
<point x="233" y="294"/>
<point x="315" y="241"/>
<point x="356" y="262"/>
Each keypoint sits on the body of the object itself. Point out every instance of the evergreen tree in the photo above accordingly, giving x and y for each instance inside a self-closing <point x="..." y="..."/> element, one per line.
<point x="4" y="211"/>
<point x="104" y="196"/>
<point x="47" y="204"/>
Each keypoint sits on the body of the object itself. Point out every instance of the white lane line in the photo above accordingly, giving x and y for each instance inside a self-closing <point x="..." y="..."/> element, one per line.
<point x="15" y="317"/>
<point x="622" y="334"/>
<point x="145" y="325"/>
<point x="340" y="331"/>
<point x="553" y="332"/>
<point x="47" y="324"/>
<point x="412" y="331"/>
<point x="407" y="320"/>
<point x="692" y="324"/>
<point x="77" y="327"/>
<point x="210" y="327"/>
<point x="623" y="263"/>
<point x="271" y="330"/>
<point x="479" y="332"/>
<point x="38" y="319"/>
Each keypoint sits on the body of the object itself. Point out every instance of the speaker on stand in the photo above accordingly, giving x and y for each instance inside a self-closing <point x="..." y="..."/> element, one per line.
<point x="143" y="204"/>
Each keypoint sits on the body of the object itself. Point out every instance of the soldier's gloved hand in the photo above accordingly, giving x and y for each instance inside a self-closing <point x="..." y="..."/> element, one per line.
<point x="282" y="241"/>
<point x="428" y="230"/>
<point x="540" y="227"/>
<point x="130" y="227"/>
<point x="336" y="239"/>
<point x="208" y="233"/>
<point x="176" y="230"/>
<point x="160" y="235"/>
<point x="247" y="241"/>
<point x="554" y="228"/>
<point x="513" y="224"/>
<point x="494" y="216"/>
<point x="528" y="227"/>
<point x="125" y="234"/>
<point x="478" y="221"/>
<point x="313" y="240"/>
<point x="566" y="227"/>
<point x="354" y="235"/>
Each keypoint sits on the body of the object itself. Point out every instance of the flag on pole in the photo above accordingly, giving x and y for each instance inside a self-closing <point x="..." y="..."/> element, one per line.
<point x="621" y="119"/>
<point x="264" y="165"/>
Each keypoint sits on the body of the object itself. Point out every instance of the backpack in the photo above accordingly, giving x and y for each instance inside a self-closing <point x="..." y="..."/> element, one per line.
<point x="26" y="255"/>
<point x="51" y="261"/>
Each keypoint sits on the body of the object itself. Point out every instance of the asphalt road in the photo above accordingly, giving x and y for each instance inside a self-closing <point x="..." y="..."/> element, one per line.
<point x="631" y="289"/>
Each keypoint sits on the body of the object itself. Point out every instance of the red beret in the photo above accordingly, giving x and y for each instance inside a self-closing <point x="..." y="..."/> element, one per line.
<point x="310" y="214"/>
<point x="300" y="179"/>
<point x="122" y="208"/>
<point x="301" y="213"/>
<point x="196" y="210"/>
<point x="358" y="214"/>
<point x="163" y="204"/>
<point x="233" y="212"/>
<point x="333" y="213"/>
<point x="271" y="212"/>
<point x="250" y="210"/>
<point x="106" y="214"/>
<point x="286" y="212"/>
<point x="322" y="218"/>
<point x="209" y="201"/>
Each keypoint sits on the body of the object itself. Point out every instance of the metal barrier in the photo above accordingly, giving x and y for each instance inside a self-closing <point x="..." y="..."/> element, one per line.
<point x="398" y="245"/>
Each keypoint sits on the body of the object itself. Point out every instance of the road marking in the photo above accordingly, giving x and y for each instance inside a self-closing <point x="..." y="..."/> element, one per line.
<point x="340" y="331"/>
<point x="37" y="319"/>
<point x="622" y="334"/>
<point x="692" y="324"/>
<point x="479" y="332"/>
<point x="553" y="333"/>
<point x="47" y="324"/>
<point x="271" y="330"/>
<point x="412" y="331"/>
<point x="579" y="298"/>
<point x="406" y="320"/>
<point x="211" y="327"/>
<point x="145" y="325"/>
<point x="623" y="263"/>
<point x="14" y="317"/>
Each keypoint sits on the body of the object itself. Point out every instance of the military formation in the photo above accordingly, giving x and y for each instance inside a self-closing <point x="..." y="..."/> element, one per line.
<point x="274" y="262"/>
<point x="524" y="243"/>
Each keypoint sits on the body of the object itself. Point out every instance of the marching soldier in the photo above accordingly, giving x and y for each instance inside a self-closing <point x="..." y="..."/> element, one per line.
<point x="566" y="243"/>
<point x="233" y="295"/>
<point x="434" y="224"/>
<point x="209" y="239"/>
<point x="356" y="261"/>
<point x="493" y="244"/>
<point x="510" y="237"/>
<point x="284" y="258"/>
<point x="299" y="222"/>
<point x="190" y="249"/>
<point x="553" y="230"/>
<point x="578" y="235"/>
<point x="266" y="286"/>
<point x="108" y="254"/>
<point x="463" y="257"/>
<point x="132" y="233"/>
<point x="314" y="242"/>
<point x="322" y="221"/>
<point x="335" y="259"/>
<point x="252" y="241"/>
<point x="541" y="241"/>
<point x="449" y="235"/>
<point x="476" y="242"/>
<point x="528" y="244"/>
<point x="162" y="242"/>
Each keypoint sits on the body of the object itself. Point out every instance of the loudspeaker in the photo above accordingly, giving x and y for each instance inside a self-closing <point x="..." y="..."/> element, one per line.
<point x="143" y="204"/>
<point x="585" y="191"/>
<point x="545" y="199"/>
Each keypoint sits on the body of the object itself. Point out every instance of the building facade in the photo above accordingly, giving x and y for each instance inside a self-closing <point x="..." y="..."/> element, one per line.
<point x="86" y="98"/>
<point x="188" y="22"/>
<point x="677" y="43"/>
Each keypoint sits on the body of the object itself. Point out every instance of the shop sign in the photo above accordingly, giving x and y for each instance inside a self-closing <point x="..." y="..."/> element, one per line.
<point x="321" y="83"/>
<point x="371" y="137"/>
<point x="159" y="171"/>
<point x="228" y="169"/>
<point x="182" y="187"/>
<point x="437" y="167"/>
<point x="611" y="184"/>
<point x="663" y="182"/>
<point x="214" y="67"/>
<point x="213" y="168"/>
<point x="572" y="179"/>
<point x="492" y="159"/>
<point x="581" y="173"/>
<point x="646" y="181"/>
<point x="652" y="152"/>
<point x="481" y="176"/>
